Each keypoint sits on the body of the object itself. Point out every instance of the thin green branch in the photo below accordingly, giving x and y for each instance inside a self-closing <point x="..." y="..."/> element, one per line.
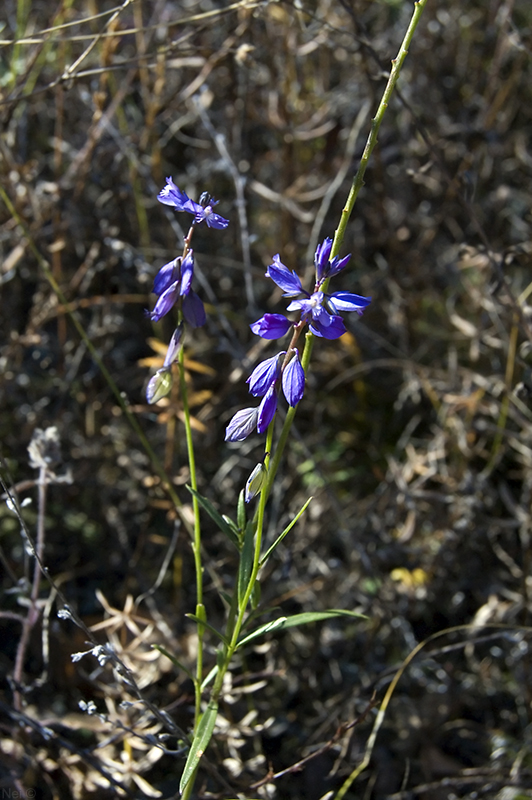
<point x="358" y="181"/>
<point x="196" y="542"/>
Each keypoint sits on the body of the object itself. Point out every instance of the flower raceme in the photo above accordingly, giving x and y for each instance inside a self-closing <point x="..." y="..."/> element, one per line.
<point x="320" y="311"/>
<point x="173" y="283"/>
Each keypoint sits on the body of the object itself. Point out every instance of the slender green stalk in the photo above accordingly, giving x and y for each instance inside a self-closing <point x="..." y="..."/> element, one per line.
<point x="228" y="655"/>
<point x="358" y="181"/>
<point x="196" y="542"/>
<point x="23" y="8"/>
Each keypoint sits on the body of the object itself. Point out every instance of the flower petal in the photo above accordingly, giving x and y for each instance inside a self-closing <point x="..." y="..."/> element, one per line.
<point x="347" y="301"/>
<point x="264" y="375"/>
<point x="166" y="276"/>
<point x="293" y="381"/>
<point x="337" y="265"/>
<point x="271" y="326"/>
<point x="165" y="302"/>
<point x="321" y="258"/>
<point x="241" y="425"/>
<point x="334" y="330"/>
<point x="255" y="482"/>
<point x="171" y="195"/>
<point x="193" y="310"/>
<point x="187" y="272"/>
<point x="175" y="346"/>
<point x="159" y="385"/>
<point x="214" y="220"/>
<point x="267" y="409"/>
<point x="288" y="281"/>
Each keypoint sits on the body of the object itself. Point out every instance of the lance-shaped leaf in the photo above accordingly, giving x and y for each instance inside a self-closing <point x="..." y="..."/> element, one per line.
<point x="173" y="659"/>
<point x="241" y="512"/>
<point x="299" y="619"/>
<point x="209" y="627"/>
<point x="286" y="531"/>
<point x="215" y="516"/>
<point x="199" y="745"/>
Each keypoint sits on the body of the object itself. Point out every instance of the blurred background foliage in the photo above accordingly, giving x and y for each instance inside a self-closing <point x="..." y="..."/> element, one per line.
<point x="414" y="435"/>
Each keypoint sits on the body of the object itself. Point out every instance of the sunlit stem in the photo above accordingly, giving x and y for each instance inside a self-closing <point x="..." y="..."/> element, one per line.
<point x="196" y="542"/>
<point x="358" y="180"/>
<point x="228" y="655"/>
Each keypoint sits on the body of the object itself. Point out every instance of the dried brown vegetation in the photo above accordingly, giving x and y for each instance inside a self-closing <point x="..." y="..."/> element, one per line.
<point x="414" y="436"/>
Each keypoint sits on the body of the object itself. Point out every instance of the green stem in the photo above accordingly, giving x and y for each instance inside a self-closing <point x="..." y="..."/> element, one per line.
<point x="196" y="542"/>
<point x="228" y="655"/>
<point x="358" y="180"/>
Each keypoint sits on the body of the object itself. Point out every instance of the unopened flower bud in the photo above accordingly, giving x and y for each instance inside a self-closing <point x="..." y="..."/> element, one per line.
<point x="255" y="482"/>
<point x="174" y="346"/>
<point x="159" y="385"/>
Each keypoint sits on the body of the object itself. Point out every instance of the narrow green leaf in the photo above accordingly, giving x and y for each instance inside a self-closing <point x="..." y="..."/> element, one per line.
<point x="210" y="677"/>
<point x="173" y="659"/>
<point x="226" y="597"/>
<point x="299" y="619"/>
<point x="201" y="613"/>
<point x="231" y="523"/>
<point x="246" y="561"/>
<point x="199" y="745"/>
<point x="255" y="596"/>
<point x="215" y="516"/>
<point x="241" y="512"/>
<point x="210" y="627"/>
<point x="275" y="625"/>
<point x="286" y="531"/>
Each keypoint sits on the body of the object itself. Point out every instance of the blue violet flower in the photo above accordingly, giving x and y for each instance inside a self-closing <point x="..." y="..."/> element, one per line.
<point x="171" y="195"/>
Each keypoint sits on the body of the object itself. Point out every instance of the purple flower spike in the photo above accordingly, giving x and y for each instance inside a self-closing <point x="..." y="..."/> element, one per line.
<point x="288" y="281"/>
<point x="264" y="375"/>
<point x="267" y="409"/>
<point x="271" y="326"/>
<point x="241" y="425"/>
<point x="171" y="195"/>
<point x="293" y="381"/>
